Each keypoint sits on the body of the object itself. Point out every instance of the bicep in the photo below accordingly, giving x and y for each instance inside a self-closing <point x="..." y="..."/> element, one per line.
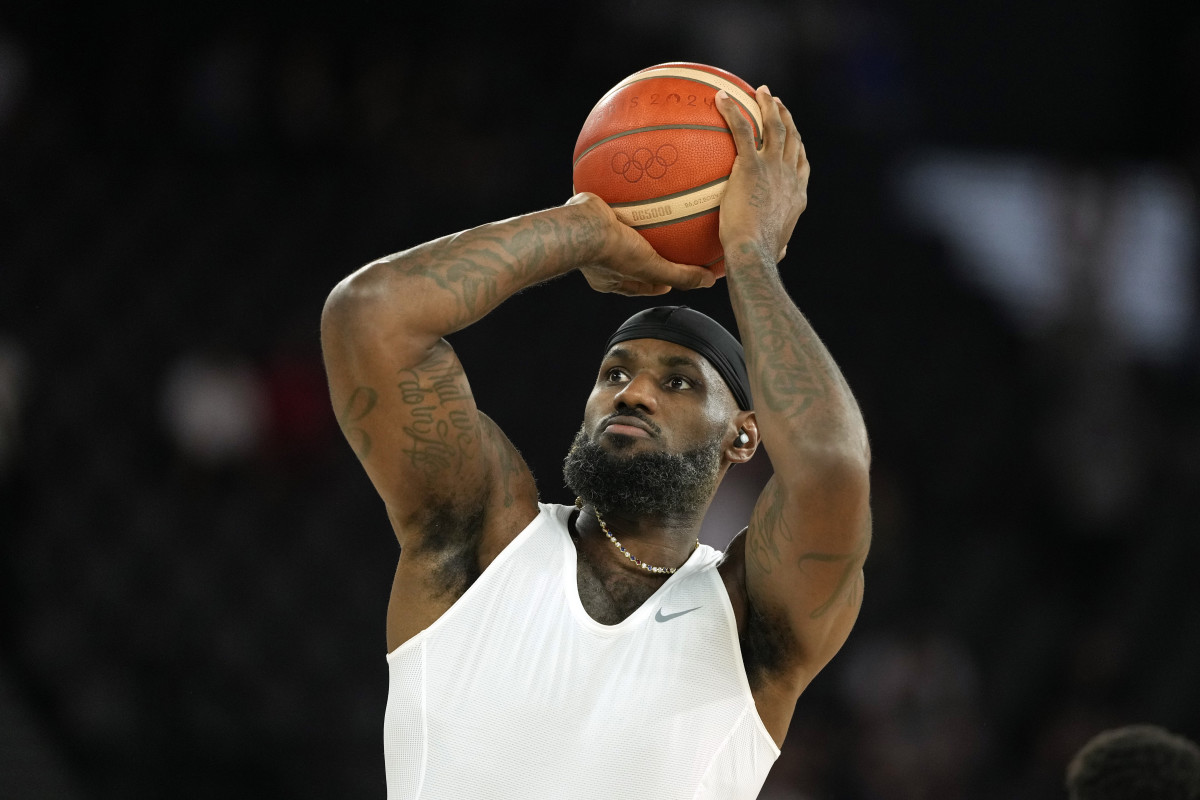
<point x="805" y="551"/>
<point x="414" y="426"/>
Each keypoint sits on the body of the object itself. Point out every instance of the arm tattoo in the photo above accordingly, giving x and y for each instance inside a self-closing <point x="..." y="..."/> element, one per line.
<point x="792" y="369"/>
<point x="361" y="403"/>
<point x="508" y="459"/>
<point x="767" y="527"/>
<point x="771" y="534"/>
<point x="849" y="587"/>
<point x="479" y="269"/>
<point x="441" y="437"/>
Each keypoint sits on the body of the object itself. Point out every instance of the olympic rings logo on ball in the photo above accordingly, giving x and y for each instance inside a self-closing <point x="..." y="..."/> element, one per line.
<point x="643" y="162"/>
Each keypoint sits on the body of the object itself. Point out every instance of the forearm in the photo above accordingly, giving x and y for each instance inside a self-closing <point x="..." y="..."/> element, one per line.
<point x="803" y="405"/>
<point x="429" y="291"/>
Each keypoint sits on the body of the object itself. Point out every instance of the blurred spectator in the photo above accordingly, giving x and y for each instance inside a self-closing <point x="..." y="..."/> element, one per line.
<point x="1136" y="762"/>
<point x="215" y="408"/>
<point x="1114" y="248"/>
<point x="916" y="704"/>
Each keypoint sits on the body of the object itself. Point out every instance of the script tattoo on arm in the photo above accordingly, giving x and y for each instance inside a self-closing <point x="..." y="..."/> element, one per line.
<point x="480" y="269"/>
<point x="792" y="367"/>
<point x="362" y="402"/>
<point x="442" y="430"/>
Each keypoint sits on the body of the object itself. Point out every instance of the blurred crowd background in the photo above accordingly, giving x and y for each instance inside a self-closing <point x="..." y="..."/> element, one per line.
<point x="1001" y="249"/>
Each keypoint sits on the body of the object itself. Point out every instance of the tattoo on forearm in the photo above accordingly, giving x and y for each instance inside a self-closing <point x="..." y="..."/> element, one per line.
<point x="791" y="367"/>
<point x="361" y="403"/>
<point x="479" y="269"/>
<point x="441" y="436"/>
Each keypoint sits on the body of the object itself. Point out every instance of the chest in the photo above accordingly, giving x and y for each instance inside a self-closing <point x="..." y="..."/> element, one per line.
<point x="611" y="595"/>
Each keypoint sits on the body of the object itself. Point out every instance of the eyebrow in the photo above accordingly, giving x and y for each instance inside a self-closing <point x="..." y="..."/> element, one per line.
<point x="680" y="361"/>
<point x="623" y="354"/>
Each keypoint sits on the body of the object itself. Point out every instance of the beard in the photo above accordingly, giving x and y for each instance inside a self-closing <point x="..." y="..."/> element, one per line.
<point x="644" y="484"/>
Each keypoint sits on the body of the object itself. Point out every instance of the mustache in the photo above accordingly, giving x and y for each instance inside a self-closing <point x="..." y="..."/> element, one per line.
<point x="633" y="412"/>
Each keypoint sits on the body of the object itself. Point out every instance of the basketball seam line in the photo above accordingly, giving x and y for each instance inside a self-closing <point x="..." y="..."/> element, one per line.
<point x="753" y="115"/>
<point x="672" y="196"/>
<point x="703" y="77"/>
<point x="592" y="147"/>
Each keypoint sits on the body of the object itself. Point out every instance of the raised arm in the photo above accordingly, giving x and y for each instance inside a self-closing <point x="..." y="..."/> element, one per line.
<point x="400" y="394"/>
<point x="811" y="527"/>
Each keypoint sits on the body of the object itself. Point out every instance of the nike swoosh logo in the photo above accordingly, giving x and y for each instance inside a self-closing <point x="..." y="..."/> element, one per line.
<point x="661" y="617"/>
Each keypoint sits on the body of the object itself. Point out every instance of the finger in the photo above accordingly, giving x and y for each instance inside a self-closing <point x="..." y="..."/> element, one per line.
<point x="794" y="147"/>
<point x="679" y="276"/>
<point x="640" y="288"/>
<point x="739" y="126"/>
<point x="774" y="131"/>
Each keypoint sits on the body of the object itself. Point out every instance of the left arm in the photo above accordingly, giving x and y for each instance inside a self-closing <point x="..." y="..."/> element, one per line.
<point x="811" y="526"/>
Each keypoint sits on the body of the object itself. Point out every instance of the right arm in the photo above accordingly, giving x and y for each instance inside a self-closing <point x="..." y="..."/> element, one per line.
<point x="400" y="394"/>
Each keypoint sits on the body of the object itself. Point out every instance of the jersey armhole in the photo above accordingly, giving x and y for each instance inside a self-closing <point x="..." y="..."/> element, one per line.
<point x="545" y="512"/>
<point x="731" y="618"/>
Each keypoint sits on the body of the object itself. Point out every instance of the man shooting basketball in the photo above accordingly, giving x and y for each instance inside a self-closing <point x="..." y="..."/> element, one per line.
<point x="599" y="651"/>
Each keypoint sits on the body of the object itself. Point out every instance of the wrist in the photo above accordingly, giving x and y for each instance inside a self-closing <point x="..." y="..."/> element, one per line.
<point x="588" y="220"/>
<point x="743" y="252"/>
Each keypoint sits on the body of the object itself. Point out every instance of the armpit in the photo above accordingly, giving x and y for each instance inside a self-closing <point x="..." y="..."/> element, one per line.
<point x="768" y="647"/>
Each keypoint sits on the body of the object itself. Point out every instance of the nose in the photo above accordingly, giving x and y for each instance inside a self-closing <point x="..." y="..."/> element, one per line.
<point x="641" y="392"/>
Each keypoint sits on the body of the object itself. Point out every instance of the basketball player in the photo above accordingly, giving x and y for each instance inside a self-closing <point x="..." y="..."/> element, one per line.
<point x="1136" y="762"/>
<point x="599" y="651"/>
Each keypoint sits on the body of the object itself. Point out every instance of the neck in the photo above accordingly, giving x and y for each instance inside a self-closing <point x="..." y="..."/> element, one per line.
<point x="658" y="541"/>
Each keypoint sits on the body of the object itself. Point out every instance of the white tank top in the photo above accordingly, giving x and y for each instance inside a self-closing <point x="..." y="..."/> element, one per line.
<point x="515" y="692"/>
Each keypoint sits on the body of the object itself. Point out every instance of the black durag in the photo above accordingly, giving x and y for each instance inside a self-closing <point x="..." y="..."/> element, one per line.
<point x="696" y="331"/>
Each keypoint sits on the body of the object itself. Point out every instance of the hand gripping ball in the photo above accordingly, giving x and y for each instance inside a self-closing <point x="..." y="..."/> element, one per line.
<point x="658" y="151"/>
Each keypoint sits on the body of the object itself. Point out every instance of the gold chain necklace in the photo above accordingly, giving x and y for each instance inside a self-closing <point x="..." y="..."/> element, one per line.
<point x="621" y="547"/>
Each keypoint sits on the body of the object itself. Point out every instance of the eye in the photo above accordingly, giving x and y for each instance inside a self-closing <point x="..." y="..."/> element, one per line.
<point x="616" y="375"/>
<point x="679" y="383"/>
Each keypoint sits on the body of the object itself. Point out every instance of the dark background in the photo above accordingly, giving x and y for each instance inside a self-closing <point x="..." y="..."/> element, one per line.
<point x="193" y="569"/>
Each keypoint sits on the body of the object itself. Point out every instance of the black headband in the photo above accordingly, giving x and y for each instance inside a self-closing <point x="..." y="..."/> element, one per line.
<point x="687" y="327"/>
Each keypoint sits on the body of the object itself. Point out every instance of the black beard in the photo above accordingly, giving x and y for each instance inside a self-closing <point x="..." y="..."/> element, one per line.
<point x="643" y="484"/>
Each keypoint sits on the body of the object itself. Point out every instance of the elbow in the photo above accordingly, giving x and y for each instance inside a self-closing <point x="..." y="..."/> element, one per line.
<point x="375" y="308"/>
<point x="357" y="310"/>
<point x="839" y="473"/>
<point x="353" y="292"/>
<point x="844" y="450"/>
<point x="366" y="298"/>
<point x="341" y="308"/>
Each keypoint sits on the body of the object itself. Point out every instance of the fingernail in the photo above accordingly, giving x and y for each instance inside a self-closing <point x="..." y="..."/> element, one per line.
<point x="722" y="94"/>
<point x="765" y="89"/>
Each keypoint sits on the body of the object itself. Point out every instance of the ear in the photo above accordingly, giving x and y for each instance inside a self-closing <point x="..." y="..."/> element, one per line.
<point x="745" y="440"/>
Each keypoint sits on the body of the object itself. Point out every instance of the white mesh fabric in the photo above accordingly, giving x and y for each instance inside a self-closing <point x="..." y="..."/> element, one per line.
<point x="404" y="733"/>
<point x="515" y="692"/>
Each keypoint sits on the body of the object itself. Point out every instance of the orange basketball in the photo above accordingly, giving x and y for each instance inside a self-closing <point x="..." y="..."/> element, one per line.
<point x="658" y="151"/>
